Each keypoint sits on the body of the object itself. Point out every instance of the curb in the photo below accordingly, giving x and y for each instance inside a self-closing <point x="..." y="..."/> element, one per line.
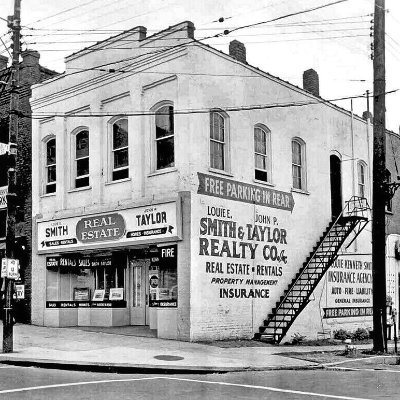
<point x="144" y="368"/>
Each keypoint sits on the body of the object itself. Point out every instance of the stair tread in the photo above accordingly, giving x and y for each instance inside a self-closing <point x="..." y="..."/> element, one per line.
<point x="297" y="294"/>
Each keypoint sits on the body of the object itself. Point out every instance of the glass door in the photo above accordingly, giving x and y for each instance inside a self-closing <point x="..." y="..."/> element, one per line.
<point x="139" y="302"/>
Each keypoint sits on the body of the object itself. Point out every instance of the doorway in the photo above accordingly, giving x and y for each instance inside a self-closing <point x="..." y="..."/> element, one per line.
<point x="336" y="185"/>
<point x="139" y="290"/>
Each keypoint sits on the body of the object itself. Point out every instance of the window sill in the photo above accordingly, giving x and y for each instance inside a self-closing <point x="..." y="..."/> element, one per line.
<point x="220" y="172"/>
<point x="48" y="194"/>
<point x="80" y="189"/>
<point x="300" y="191"/>
<point x="163" y="171"/>
<point x="117" y="181"/>
<point x="264" y="183"/>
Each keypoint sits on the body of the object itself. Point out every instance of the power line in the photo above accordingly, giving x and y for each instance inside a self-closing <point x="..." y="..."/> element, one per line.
<point x="319" y="21"/>
<point x="226" y="32"/>
<point x="180" y="38"/>
<point x="43" y="114"/>
<point x="216" y="44"/>
<point x="64" y="11"/>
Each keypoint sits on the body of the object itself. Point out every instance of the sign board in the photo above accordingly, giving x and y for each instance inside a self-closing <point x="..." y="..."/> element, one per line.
<point x="82" y="294"/>
<point x="71" y="262"/>
<point x="99" y="295"/>
<point x="3" y="196"/>
<point x="229" y="189"/>
<point x="116" y="294"/>
<point x="4" y="268"/>
<point x="10" y="268"/>
<point x="151" y="223"/>
<point x="20" y="291"/>
<point x="4" y="148"/>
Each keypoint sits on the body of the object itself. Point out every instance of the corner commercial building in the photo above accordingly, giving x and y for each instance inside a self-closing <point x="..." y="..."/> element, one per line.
<point x="179" y="187"/>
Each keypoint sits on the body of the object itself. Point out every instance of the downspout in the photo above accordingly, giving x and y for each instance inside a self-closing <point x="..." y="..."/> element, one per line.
<point x="352" y="159"/>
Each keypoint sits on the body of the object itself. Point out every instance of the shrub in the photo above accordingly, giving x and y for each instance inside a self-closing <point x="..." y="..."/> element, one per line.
<point x="361" y="334"/>
<point x="297" y="338"/>
<point x="342" y="334"/>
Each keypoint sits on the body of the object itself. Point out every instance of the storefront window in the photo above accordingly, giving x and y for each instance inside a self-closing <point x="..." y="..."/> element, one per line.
<point x="163" y="277"/>
<point x="85" y="279"/>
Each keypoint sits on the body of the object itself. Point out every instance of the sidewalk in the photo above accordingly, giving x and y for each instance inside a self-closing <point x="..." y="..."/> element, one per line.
<point x="74" y="348"/>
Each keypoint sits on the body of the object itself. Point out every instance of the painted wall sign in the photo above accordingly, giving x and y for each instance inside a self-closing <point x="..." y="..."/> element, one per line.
<point x="243" y="250"/>
<point x="349" y="288"/>
<point x="238" y="191"/>
<point x="347" y="312"/>
<point x="3" y="196"/>
<point x="100" y="228"/>
<point x="155" y="223"/>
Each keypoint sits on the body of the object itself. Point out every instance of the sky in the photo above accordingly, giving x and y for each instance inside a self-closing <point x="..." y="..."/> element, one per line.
<point x="335" y="40"/>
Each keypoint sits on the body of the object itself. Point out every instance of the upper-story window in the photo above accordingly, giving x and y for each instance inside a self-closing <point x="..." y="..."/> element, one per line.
<point x="164" y="140"/>
<point x="262" y="153"/>
<point x="219" y="135"/>
<point x="82" y="159"/>
<point x="120" y="159"/>
<point x="51" y="175"/>
<point x="299" y="164"/>
<point x="362" y="178"/>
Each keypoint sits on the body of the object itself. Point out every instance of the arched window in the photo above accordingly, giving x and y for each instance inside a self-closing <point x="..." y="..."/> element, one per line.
<point x="120" y="159"/>
<point x="51" y="174"/>
<point x="262" y="153"/>
<point x="164" y="139"/>
<point x="362" y="178"/>
<point x="299" y="164"/>
<point x="219" y="135"/>
<point x="82" y="158"/>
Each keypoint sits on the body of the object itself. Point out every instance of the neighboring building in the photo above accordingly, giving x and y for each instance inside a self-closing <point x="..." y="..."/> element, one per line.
<point x="185" y="189"/>
<point x="393" y="222"/>
<point x="30" y="72"/>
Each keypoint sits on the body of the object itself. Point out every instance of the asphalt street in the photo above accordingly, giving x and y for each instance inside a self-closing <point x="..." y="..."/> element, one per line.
<point x="36" y="383"/>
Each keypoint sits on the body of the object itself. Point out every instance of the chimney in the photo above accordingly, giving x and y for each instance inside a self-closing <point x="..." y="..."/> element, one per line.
<point x="3" y="62"/>
<point x="367" y="115"/>
<point x="311" y="82"/>
<point x="237" y="50"/>
<point x="30" y="58"/>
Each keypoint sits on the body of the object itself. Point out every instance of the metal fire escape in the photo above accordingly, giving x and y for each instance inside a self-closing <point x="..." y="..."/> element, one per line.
<point x="353" y="218"/>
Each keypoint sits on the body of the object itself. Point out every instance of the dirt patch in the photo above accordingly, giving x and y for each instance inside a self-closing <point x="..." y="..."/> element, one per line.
<point x="363" y="359"/>
<point x="238" y="343"/>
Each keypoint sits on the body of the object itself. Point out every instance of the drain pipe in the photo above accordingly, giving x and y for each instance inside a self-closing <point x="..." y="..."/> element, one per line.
<point x="352" y="158"/>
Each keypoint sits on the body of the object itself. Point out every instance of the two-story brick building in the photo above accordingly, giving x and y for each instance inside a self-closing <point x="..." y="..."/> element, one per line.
<point x="179" y="187"/>
<point x="30" y="72"/>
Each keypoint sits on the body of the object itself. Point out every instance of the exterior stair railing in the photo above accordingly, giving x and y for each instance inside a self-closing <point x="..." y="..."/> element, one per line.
<point x="353" y="218"/>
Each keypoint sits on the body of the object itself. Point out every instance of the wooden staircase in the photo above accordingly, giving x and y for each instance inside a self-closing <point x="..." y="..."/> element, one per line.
<point x="353" y="218"/>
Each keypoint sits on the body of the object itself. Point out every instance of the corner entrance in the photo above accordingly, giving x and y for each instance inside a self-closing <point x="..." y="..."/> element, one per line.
<point x="336" y="185"/>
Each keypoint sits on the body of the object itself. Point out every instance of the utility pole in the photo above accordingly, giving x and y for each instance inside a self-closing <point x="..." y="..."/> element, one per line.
<point x="380" y="192"/>
<point x="14" y="23"/>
